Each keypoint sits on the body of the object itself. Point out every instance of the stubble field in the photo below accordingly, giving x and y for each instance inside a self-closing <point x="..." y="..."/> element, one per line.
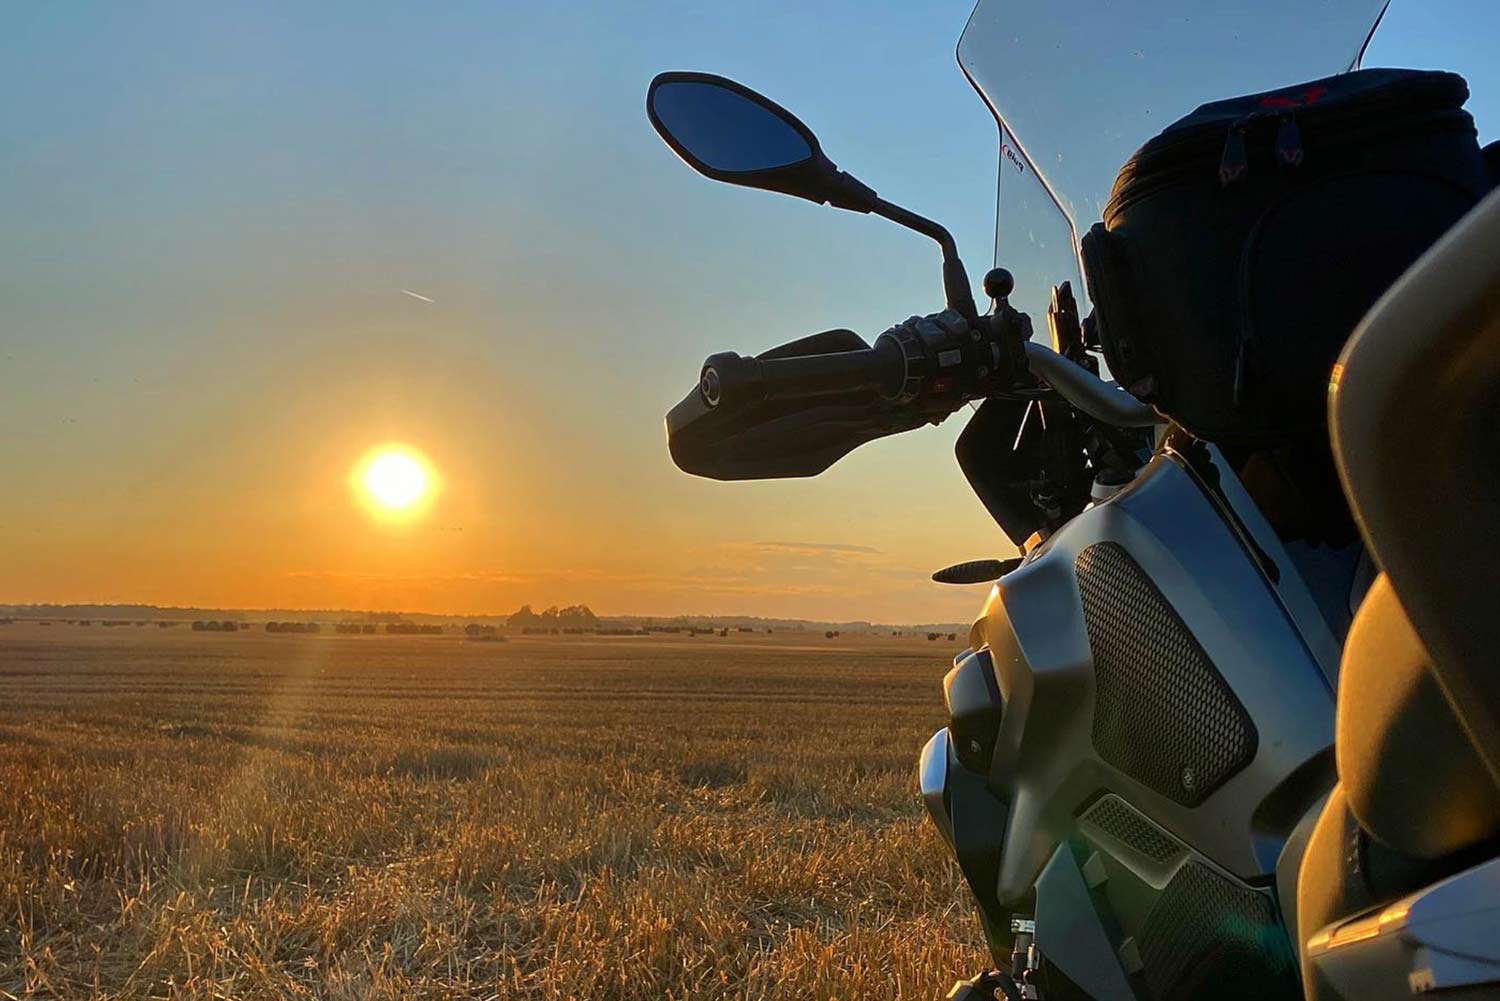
<point x="254" y="816"/>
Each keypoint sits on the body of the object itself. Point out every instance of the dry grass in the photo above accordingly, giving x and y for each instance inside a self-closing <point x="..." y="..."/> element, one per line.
<point x="201" y="816"/>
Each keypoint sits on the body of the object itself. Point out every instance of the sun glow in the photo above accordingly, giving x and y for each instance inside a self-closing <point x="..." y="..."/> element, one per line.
<point x="395" y="482"/>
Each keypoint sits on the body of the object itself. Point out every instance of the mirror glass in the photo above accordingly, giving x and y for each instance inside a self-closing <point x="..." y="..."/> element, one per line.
<point x="725" y="130"/>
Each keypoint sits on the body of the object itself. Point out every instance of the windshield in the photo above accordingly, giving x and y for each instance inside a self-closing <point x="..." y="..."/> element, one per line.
<point x="1065" y="132"/>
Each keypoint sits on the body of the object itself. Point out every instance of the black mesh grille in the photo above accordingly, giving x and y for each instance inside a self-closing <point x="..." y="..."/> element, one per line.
<point x="1125" y="824"/>
<point x="1207" y="936"/>
<point x="1162" y="713"/>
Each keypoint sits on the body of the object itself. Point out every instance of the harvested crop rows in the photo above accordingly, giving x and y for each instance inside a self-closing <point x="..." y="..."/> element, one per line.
<point x="202" y="816"/>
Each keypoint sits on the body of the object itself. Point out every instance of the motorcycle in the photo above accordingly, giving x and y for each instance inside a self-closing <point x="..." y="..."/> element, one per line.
<point x="1179" y="758"/>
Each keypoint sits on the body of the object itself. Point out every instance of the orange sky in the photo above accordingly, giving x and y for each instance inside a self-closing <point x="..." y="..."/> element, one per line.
<point x="265" y="520"/>
<point x="238" y="495"/>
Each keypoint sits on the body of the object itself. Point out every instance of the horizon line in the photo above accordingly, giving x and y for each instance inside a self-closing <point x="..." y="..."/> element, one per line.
<point x="17" y="606"/>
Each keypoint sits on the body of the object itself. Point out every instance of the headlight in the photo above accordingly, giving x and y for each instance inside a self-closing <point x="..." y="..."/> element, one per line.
<point x="974" y="709"/>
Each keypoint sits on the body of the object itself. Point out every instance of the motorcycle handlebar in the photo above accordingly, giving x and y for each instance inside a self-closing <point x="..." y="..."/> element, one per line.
<point x="898" y="370"/>
<point x="737" y="380"/>
<point x="1100" y="400"/>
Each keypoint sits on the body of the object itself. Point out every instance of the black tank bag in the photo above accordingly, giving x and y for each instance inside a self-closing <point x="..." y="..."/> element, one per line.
<point x="1240" y="247"/>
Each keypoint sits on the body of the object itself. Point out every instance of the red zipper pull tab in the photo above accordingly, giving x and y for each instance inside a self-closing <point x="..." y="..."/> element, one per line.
<point x="1234" y="163"/>
<point x="1289" y="143"/>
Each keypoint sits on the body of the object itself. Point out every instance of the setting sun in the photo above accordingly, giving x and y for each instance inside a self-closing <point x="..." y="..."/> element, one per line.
<point x="394" y="481"/>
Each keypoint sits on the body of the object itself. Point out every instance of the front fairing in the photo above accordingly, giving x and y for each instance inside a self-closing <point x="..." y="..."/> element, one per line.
<point x="1077" y="87"/>
<point x="1077" y="725"/>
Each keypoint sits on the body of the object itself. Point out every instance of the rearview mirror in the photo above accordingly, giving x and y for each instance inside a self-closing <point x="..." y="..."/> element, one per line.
<point x="728" y="132"/>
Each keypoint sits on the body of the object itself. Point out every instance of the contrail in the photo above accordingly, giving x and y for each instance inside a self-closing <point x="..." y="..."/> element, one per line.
<point x="417" y="295"/>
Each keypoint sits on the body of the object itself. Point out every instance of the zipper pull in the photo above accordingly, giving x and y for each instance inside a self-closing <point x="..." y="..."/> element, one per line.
<point x="1289" y="143"/>
<point x="1234" y="164"/>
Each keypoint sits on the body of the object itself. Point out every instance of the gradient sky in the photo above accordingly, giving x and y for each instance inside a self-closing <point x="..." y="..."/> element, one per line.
<point x="211" y="211"/>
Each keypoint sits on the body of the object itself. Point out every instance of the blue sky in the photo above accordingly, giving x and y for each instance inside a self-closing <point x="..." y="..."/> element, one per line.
<point x="212" y="209"/>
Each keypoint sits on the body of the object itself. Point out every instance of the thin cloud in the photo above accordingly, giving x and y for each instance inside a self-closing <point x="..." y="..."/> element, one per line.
<point x="417" y="295"/>
<point x="812" y="548"/>
<point x="468" y="577"/>
<point x="697" y="581"/>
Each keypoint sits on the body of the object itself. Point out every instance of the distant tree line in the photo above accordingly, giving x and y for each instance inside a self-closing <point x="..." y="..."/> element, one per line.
<point x="411" y="629"/>
<point x="574" y="618"/>
<point x="294" y="627"/>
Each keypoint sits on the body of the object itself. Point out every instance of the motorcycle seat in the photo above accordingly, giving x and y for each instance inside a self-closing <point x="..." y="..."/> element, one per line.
<point x="1411" y="776"/>
<point x="1414" y="802"/>
<point x="1415" y="820"/>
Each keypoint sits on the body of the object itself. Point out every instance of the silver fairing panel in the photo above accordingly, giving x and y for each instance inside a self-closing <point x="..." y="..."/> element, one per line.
<point x="1445" y="937"/>
<point x="1046" y="765"/>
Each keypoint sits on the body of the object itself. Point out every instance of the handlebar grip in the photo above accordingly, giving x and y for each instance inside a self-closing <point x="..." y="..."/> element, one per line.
<point x="732" y="380"/>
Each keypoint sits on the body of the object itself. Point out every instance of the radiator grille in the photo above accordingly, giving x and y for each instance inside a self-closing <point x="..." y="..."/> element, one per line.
<point x="1209" y="937"/>
<point x="1163" y="714"/>
<point x="1129" y="826"/>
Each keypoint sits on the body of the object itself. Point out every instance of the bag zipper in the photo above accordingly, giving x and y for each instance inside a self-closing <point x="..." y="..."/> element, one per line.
<point x="1289" y="142"/>
<point x="1234" y="164"/>
<point x="1148" y="182"/>
<point x="1234" y="161"/>
<point x="1437" y="94"/>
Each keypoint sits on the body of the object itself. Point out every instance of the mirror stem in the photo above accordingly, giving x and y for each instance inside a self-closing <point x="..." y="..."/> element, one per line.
<point x="956" y="288"/>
